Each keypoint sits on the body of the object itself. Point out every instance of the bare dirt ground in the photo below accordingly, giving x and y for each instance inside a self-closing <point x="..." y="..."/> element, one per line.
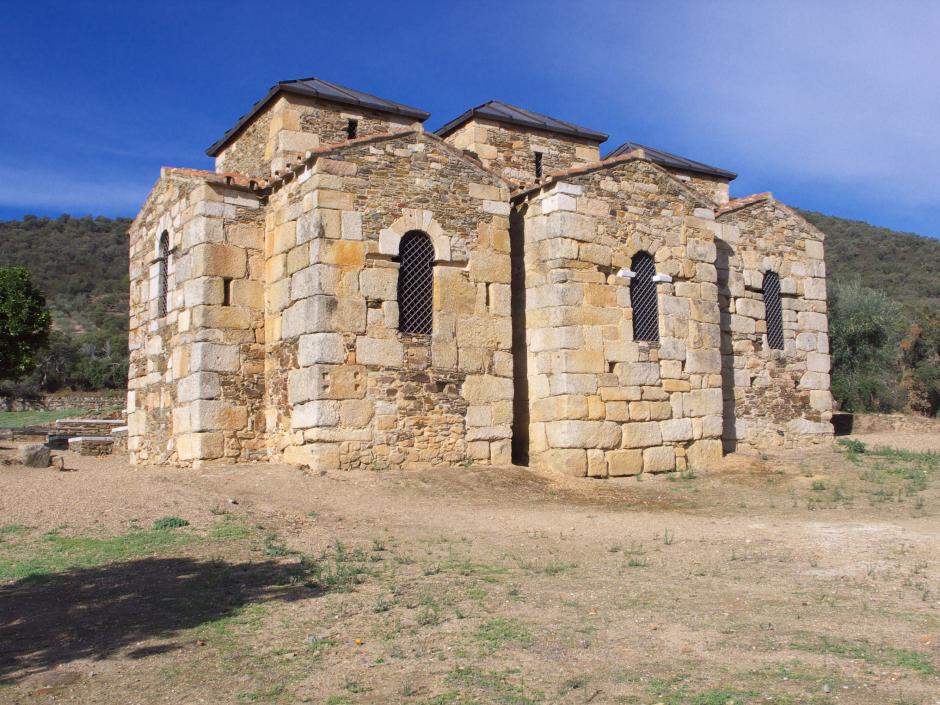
<point x="792" y="577"/>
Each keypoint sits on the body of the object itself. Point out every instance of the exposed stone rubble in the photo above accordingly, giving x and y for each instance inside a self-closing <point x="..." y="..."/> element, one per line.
<point x="281" y="336"/>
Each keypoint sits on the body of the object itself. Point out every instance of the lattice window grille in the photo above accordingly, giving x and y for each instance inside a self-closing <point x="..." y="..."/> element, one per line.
<point x="164" y="275"/>
<point x="773" y="312"/>
<point x="416" y="284"/>
<point x="643" y="298"/>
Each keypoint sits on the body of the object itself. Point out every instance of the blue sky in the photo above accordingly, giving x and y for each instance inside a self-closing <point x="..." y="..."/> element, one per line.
<point x="832" y="106"/>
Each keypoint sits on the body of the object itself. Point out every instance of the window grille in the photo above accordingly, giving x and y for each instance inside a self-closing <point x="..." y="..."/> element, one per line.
<point x="772" y="310"/>
<point x="415" y="283"/>
<point x="538" y="165"/>
<point x="352" y="129"/>
<point x="164" y="259"/>
<point x="643" y="298"/>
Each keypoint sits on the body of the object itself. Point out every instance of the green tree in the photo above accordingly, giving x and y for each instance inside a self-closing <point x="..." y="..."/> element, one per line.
<point x="865" y="332"/>
<point x="24" y="323"/>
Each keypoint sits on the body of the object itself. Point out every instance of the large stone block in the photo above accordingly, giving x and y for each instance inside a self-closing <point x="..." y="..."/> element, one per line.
<point x="199" y="385"/>
<point x="381" y="352"/>
<point x="639" y="374"/>
<point x="624" y="462"/>
<point x="569" y="461"/>
<point x="583" y="434"/>
<point x="213" y="357"/>
<point x="565" y="406"/>
<point x="703" y="402"/>
<point x="703" y="361"/>
<point x="659" y="459"/>
<point x="202" y="291"/>
<point x="486" y="389"/>
<point x="379" y="283"/>
<point x="200" y="446"/>
<point x="704" y="455"/>
<point x="215" y="260"/>
<point x="814" y="380"/>
<point x="676" y="430"/>
<point x="315" y="348"/>
<point x="315" y="280"/>
<point x="315" y="414"/>
<point x="213" y="415"/>
<point x="641" y="435"/>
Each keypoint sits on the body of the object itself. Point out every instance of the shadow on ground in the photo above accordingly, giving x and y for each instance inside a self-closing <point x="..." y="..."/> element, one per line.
<point x="96" y="612"/>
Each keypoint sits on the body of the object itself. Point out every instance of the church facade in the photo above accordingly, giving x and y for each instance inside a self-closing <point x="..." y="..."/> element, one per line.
<point x="349" y="290"/>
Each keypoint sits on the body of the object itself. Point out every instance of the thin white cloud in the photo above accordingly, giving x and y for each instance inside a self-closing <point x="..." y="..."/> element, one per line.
<point x="52" y="189"/>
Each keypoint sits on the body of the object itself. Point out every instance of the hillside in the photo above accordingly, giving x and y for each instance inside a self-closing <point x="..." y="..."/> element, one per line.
<point x="81" y="266"/>
<point x="906" y="267"/>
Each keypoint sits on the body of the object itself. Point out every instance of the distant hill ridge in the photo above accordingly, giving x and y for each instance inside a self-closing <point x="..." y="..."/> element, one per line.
<point x="81" y="264"/>
<point x="905" y="266"/>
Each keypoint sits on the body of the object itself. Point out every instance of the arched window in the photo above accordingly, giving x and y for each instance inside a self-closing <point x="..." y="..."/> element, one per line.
<point x="163" y="291"/>
<point x="643" y="298"/>
<point x="415" y="283"/>
<point x="772" y="311"/>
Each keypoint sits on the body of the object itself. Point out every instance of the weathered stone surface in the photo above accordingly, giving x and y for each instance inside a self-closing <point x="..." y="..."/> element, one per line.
<point x="641" y="435"/>
<point x="624" y="462"/>
<point x="317" y="348"/>
<point x="659" y="459"/>
<point x="583" y="434"/>
<point x="34" y="455"/>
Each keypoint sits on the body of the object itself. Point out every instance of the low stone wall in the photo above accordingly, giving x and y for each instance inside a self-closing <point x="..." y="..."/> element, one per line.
<point x="86" y="427"/>
<point x="91" y="445"/>
<point x="85" y="400"/>
<point x="903" y="423"/>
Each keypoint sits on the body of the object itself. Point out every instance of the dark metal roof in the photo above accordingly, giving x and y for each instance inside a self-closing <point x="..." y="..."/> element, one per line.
<point x="325" y="90"/>
<point x="672" y="161"/>
<point x="503" y="112"/>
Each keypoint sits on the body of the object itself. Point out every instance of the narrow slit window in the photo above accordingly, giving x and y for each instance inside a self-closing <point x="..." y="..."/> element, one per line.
<point x="163" y="293"/>
<point x="226" y="292"/>
<point x="416" y="283"/>
<point x="773" y="312"/>
<point x="538" y="165"/>
<point x="352" y="129"/>
<point x="643" y="298"/>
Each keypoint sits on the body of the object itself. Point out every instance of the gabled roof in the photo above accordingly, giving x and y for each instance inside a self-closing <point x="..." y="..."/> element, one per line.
<point x="318" y="88"/>
<point x="503" y="112"/>
<point x="672" y="161"/>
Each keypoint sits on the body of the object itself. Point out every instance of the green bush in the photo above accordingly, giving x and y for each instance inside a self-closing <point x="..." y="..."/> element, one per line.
<point x="865" y="333"/>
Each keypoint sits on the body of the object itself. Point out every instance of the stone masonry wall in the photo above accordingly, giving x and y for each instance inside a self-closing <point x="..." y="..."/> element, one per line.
<point x="195" y="375"/>
<point x="509" y="149"/>
<point x="600" y="403"/>
<point x="773" y="397"/>
<point x="345" y="387"/>
<point x="292" y="125"/>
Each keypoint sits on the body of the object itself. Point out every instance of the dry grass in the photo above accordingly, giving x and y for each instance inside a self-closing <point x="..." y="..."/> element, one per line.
<point x="798" y="577"/>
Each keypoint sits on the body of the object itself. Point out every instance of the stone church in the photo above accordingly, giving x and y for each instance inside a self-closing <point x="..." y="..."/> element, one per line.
<point x="347" y="290"/>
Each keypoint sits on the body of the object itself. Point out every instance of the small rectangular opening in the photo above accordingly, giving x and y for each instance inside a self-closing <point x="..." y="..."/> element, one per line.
<point x="226" y="292"/>
<point x="352" y="129"/>
<point x="538" y="165"/>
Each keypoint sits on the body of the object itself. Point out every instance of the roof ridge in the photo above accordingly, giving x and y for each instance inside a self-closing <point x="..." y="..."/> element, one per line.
<point x="636" y="155"/>
<point x="501" y="111"/>
<point x="743" y="202"/>
<point x="672" y="160"/>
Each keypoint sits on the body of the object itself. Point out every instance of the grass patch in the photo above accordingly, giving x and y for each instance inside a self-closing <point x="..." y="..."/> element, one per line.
<point x="53" y="553"/>
<point x="499" y="633"/>
<point x="864" y="651"/>
<point x="497" y="687"/>
<point x="22" y="419"/>
<point x="262" y="696"/>
<point x="337" y="569"/>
